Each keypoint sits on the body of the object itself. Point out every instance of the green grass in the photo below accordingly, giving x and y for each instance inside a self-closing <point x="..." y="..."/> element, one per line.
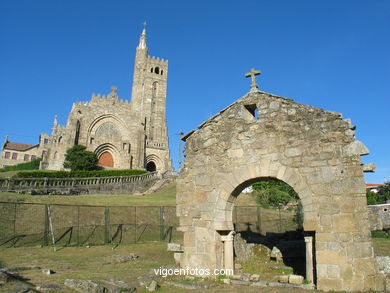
<point x="96" y="263"/>
<point x="32" y="165"/>
<point x="381" y="246"/>
<point x="165" y="196"/>
<point x="8" y="174"/>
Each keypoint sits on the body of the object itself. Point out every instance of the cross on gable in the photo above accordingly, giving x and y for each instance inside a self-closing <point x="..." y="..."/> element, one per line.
<point x="253" y="74"/>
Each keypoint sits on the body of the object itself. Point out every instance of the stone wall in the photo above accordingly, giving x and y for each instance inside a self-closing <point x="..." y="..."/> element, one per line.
<point x="379" y="216"/>
<point x="313" y="150"/>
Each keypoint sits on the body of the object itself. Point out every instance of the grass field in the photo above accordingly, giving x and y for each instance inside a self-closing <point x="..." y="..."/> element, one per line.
<point x="165" y="196"/>
<point x="99" y="263"/>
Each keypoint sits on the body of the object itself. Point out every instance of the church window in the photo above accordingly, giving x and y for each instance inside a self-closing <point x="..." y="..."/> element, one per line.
<point x="252" y="109"/>
<point x="154" y="88"/>
<point x="157" y="70"/>
<point x="151" y="70"/>
<point x="45" y="141"/>
<point x="26" y="157"/>
<point x="55" y="155"/>
<point x="162" y="72"/>
<point x="14" y="156"/>
<point x="76" y="137"/>
<point x="59" y="139"/>
<point x="7" y="155"/>
<point x="109" y="129"/>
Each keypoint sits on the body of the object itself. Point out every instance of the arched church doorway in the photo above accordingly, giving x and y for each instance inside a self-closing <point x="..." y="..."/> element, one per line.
<point x="151" y="167"/>
<point x="106" y="160"/>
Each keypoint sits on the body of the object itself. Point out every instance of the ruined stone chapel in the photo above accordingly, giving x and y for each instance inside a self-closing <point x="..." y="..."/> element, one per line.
<point x="123" y="134"/>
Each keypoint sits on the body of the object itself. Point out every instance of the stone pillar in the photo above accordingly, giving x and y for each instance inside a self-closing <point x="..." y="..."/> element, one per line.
<point x="309" y="259"/>
<point x="228" y="256"/>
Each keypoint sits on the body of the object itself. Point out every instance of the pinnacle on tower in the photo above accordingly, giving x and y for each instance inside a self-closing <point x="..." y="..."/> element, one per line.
<point x="142" y="39"/>
<point x="55" y="123"/>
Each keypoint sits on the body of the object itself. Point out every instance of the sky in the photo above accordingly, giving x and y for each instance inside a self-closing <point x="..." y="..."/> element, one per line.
<point x="330" y="54"/>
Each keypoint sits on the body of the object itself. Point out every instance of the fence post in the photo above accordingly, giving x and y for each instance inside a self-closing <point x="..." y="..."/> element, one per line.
<point x="107" y="239"/>
<point x="15" y="223"/>
<point x="280" y="221"/>
<point x="135" y="224"/>
<point x="258" y="220"/>
<point x="161" y="223"/>
<point x="78" y="226"/>
<point x="46" y="228"/>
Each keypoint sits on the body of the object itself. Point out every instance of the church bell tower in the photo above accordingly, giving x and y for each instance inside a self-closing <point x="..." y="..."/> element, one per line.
<point x="149" y="100"/>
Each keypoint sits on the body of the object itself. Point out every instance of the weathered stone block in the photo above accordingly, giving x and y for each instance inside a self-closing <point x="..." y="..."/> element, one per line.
<point x="295" y="279"/>
<point x="174" y="247"/>
<point x="283" y="278"/>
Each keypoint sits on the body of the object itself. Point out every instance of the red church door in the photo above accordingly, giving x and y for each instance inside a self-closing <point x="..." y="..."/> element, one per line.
<point x="106" y="160"/>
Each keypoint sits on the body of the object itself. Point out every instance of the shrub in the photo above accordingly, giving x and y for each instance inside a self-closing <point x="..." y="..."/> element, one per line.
<point x="273" y="193"/>
<point x="78" y="174"/>
<point x="32" y="165"/>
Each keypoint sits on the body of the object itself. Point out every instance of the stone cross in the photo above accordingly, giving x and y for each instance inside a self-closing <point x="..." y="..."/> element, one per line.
<point x="253" y="74"/>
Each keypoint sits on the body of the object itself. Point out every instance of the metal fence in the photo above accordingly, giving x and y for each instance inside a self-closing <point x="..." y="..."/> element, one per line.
<point x="30" y="224"/>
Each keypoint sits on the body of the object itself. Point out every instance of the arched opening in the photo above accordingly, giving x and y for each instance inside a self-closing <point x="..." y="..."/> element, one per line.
<point x="151" y="167"/>
<point x="106" y="160"/>
<point x="77" y="135"/>
<point x="157" y="70"/>
<point x="267" y="216"/>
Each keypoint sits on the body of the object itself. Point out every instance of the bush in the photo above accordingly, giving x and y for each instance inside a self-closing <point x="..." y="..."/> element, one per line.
<point x="78" y="174"/>
<point x="32" y="165"/>
<point x="380" y="197"/>
<point x="77" y="158"/>
<point x="273" y="193"/>
<point x="380" y="234"/>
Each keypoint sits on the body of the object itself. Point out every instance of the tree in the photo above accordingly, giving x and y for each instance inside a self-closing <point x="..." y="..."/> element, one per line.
<point x="383" y="194"/>
<point x="77" y="158"/>
<point x="371" y="197"/>
<point x="273" y="193"/>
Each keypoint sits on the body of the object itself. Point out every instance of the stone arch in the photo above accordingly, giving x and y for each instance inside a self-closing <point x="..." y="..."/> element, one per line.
<point x="243" y="176"/>
<point x="107" y="153"/>
<point x="106" y="118"/>
<point x="154" y="159"/>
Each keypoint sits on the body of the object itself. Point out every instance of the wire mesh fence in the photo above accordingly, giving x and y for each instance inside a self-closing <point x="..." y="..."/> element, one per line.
<point x="32" y="224"/>
<point x="28" y="224"/>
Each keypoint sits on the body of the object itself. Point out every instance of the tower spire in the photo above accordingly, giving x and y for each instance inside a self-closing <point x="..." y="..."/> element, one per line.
<point x="142" y="39"/>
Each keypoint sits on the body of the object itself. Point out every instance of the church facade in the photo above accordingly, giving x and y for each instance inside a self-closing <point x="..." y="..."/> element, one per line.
<point x="123" y="134"/>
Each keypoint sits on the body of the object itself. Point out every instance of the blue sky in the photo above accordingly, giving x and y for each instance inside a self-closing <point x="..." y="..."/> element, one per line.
<point x="329" y="54"/>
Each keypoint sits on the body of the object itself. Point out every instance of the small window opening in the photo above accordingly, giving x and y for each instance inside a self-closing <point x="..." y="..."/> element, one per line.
<point x="162" y="71"/>
<point x="151" y="70"/>
<point x="252" y="109"/>
<point x="157" y="70"/>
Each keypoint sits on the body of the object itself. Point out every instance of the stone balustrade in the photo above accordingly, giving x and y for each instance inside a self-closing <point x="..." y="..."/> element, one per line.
<point x="91" y="183"/>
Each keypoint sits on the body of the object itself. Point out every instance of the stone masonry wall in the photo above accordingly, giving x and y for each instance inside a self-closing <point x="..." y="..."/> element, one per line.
<point x="312" y="150"/>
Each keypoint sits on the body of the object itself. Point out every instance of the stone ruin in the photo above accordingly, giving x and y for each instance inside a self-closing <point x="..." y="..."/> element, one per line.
<point x="313" y="150"/>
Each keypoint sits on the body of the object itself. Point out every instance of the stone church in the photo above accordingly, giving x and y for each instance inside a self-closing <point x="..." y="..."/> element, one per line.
<point x="123" y="134"/>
